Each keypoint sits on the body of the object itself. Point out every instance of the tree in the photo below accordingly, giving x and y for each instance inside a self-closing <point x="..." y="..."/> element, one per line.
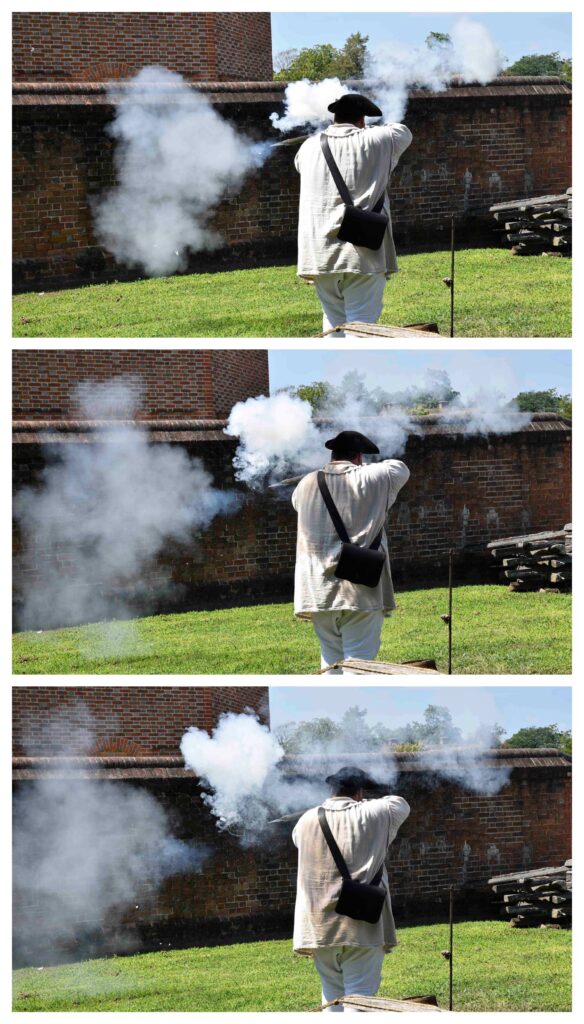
<point x="541" y="64"/>
<point x="283" y="59"/>
<point x="543" y="401"/>
<point x="541" y="736"/>
<point x="437" y="390"/>
<point x="324" y="61"/>
<point x="438" y="40"/>
<point x="353" y="57"/>
<point x="318" y="394"/>
<point x="296" y="737"/>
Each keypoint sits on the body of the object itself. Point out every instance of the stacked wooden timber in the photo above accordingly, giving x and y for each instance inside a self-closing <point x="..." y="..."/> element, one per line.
<point x="536" y="898"/>
<point x="534" y="226"/>
<point x="535" y="561"/>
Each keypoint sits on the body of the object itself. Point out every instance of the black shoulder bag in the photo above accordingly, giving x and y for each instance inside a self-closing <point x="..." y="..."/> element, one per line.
<point x="360" y="227"/>
<point x="356" y="564"/>
<point x="362" y="901"/>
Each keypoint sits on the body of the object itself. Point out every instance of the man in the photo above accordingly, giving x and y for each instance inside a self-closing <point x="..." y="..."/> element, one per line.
<point x="348" y="954"/>
<point x="349" y="279"/>
<point x="347" y="617"/>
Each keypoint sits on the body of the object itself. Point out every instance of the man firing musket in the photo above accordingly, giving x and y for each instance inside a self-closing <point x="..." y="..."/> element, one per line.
<point x="343" y="916"/>
<point x="345" y="241"/>
<point x="342" y="578"/>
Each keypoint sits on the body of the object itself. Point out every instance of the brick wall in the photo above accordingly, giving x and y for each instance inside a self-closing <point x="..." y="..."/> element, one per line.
<point x="473" y="146"/>
<point x="463" y="492"/>
<point x="192" y="383"/>
<point x="141" y="721"/>
<point x="98" y="46"/>
<point x="199" y="383"/>
<point x="452" y="836"/>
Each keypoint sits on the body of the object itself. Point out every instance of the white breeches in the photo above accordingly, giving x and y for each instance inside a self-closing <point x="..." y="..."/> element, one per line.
<point x="345" y="634"/>
<point x="348" y="971"/>
<point x="346" y="298"/>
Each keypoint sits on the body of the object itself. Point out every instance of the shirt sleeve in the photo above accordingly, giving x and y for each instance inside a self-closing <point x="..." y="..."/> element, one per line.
<point x="399" y="810"/>
<point x="401" y="138"/>
<point x="395" y="471"/>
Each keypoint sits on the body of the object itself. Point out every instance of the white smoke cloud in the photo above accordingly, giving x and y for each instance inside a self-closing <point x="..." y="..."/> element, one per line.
<point x="307" y="103"/>
<point x="175" y="157"/>
<point x="248" y="780"/>
<point x="103" y="513"/>
<point x="275" y="434"/>
<point x="86" y="851"/>
<point x="466" y="766"/>
<point x="240" y="764"/>
<point x="278" y="435"/>
<point x="393" y="69"/>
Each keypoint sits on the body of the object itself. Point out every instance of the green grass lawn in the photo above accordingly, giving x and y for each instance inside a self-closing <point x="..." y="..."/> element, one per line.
<point x="497" y="295"/>
<point x="496" y="968"/>
<point x="494" y="631"/>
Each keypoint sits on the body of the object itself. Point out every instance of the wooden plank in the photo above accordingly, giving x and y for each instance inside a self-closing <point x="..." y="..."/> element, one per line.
<point x="361" y="330"/>
<point x="525" y="877"/>
<point x="382" y="668"/>
<point x="392" y="1005"/>
<point x="527" y="538"/>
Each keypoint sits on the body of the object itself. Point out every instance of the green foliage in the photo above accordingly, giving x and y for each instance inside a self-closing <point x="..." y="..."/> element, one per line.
<point x="438" y="40"/>
<point x="436" y="730"/>
<point x="351" y="732"/>
<point x="497" y="295"/>
<point x="324" y="61"/>
<point x="319" y="394"/>
<point x="541" y="64"/>
<point x="544" y="401"/>
<point x="496" y="633"/>
<point x="541" y="736"/>
<point x="323" y="396"/>
<point x="497" y="969"/>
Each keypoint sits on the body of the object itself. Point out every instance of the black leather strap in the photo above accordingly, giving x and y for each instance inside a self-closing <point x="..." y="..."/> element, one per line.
<point x="334" y="513"/>
<point x="332" y="844"/>
<point x="337" y="855"/>
<point x="338" y="177"/>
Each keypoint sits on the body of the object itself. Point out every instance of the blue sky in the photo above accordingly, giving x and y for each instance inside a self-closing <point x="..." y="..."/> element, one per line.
<point x="515" y="33"/>
<point x="510" y="706"/>
<point x="505" y="371"/>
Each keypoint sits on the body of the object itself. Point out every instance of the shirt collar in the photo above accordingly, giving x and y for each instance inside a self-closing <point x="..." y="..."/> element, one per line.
<point x="342" y="129"/>
<point x="339" y="467"/>
<point x="338" y="803"/>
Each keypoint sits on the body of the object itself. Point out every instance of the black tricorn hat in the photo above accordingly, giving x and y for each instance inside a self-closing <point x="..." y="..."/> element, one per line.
<point x="350" y="776"/>
<point x="352" y="441"/>
<point x="353" y="105"/>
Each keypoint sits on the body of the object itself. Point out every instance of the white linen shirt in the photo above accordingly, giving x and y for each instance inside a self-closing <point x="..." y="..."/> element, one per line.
<point x="365" y="158"/>
<point x="363" y="496"/>
<point x="364" y="830"/>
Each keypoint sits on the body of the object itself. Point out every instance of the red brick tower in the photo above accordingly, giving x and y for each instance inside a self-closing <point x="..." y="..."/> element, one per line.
<point x="97" y="46"/>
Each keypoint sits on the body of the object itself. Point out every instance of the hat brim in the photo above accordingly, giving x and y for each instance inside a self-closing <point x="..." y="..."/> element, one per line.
<point x="360" y="779"/>
<point x="355" y="106"/>
<point x="364" y="447"/>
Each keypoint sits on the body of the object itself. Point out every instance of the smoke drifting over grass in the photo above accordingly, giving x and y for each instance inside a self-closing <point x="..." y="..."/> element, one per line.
<point x="280" y="435"/>
<point x="175" y="157"/>
<point x="87" y="851"/>
<point x="392" y="70"/>
<point x="249" y="780"/>
<point x="104" y="511"/>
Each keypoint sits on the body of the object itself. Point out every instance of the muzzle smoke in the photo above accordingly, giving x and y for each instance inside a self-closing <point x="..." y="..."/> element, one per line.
<point x="279" y="435"/>
<point x="392" y="70"/>
<point x="249" y="780"/>
<point x="175" y="157"/>
<point x="88" y="851"/>
<point x="104" y="511"/>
